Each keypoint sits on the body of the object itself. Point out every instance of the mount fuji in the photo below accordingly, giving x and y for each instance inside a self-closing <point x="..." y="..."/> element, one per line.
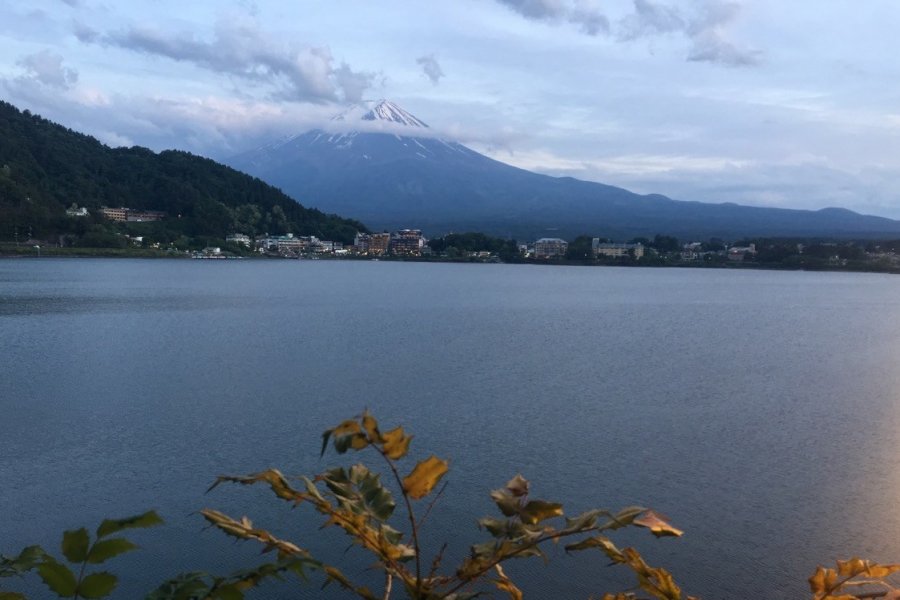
<point x="382" y="165"/>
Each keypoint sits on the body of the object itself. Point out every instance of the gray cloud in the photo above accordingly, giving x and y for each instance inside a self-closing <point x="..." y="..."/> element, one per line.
<point x="578" y="12"/>
<point x="298" y="73"/>
<point x="431" y="68"/>
<point x="651" y="19"/>
<point x="85" y="33"/>
<point x="46" y="67"/>
<point x="705" y="30"/>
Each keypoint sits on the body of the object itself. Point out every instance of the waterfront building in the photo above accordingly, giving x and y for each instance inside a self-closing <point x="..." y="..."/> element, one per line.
<point x="407" y="242"/>
<point x="373" y="244"/>
<point x="611" y="250"/>
<point x="238" y="238"/>
<point x="550" y="248"/>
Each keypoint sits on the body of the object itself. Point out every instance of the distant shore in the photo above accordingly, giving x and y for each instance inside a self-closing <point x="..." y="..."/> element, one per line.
<point x="25" y="252"/>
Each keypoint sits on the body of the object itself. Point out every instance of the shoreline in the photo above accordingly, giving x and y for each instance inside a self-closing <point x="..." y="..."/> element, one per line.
<point x="114" y="254"/>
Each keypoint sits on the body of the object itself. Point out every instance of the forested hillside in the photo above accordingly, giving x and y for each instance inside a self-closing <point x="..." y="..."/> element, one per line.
<point x="45" y="168"/>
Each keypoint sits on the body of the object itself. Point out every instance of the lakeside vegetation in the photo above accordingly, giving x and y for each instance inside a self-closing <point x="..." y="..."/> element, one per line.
<point x="46" y="168"/>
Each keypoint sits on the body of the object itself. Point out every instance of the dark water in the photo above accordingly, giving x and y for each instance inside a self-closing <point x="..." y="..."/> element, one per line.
<point x="759" y="410"/>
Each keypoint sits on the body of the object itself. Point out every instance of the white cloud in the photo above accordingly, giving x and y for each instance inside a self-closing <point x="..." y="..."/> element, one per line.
<point x="294" y="72"/>
<point x="46" y="67"/>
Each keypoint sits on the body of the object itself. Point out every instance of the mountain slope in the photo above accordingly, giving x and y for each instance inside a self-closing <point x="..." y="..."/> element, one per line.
<point x="382" y="165"/>
<point x="45" y="167"/>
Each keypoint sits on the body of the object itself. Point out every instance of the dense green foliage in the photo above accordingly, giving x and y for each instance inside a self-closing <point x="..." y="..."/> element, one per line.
<point x="456" y="245"/>
<point x="45" y="168"/>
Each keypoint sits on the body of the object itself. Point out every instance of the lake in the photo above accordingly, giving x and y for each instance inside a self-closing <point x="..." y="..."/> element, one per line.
<point x="758" y="410"/>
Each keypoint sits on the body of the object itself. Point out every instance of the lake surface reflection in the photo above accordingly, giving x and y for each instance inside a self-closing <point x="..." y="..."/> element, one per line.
<point x="758" y="410"/>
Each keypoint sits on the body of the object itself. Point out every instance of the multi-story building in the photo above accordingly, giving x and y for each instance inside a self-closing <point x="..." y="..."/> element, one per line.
<point x="144" y="215"/>
<point x="238" y="238"/>
<point x="74" y="211"/>
<point x="550" y="248"/>
<point x="407" y="242"/>
<point x="130" y="214"/>
<point x="115" y="214"/>
<point x="374" y="244"/>
<point x="611" y="250"/>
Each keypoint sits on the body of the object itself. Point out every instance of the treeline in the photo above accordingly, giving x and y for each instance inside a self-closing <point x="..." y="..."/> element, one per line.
<point x="457" y="245"/>
<point x="45" y="168"/>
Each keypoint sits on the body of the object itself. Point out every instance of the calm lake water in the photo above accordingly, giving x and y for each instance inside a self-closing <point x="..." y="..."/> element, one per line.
<point x="759" y="410"/>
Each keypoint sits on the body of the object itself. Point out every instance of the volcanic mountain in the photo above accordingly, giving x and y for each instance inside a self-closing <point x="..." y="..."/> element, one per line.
<point x="380" y="164"/>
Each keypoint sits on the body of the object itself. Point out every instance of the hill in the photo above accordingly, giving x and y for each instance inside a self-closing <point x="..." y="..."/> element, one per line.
<point x="45" y="168"/>
<point x="387" y="167"/>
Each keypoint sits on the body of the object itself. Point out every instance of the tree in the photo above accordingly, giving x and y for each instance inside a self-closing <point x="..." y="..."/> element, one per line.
<point x="580" y="248"/>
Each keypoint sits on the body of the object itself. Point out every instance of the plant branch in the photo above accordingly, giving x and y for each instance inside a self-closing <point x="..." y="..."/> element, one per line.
<point x="412" y="517"/>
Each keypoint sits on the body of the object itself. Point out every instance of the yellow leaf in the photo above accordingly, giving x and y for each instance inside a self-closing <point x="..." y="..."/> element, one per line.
<point x="538" y="510"/>
<point x="346" y="428"/>
<point x="371" y="427"/>
<point x="518" y="486"/>
<point x="424" y="477"/>
<point x="505" y="585"/>
<point x="657" y="524"/>
<point x="396" y="443"/>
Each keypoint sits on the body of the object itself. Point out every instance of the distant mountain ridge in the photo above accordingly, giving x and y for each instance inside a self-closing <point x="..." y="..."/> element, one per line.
<point x="402" y="175"/>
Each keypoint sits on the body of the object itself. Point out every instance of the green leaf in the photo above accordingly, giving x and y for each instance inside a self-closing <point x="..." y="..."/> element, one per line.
<point x="58" y="578"/>
<point x="75" y="545"/>
<point x="12" y="596"/>
<point x="183" y="587"/>
<point x="97" y="585"/>
<point x="228" y="592"/>
<point x="28" y="559"/>
<point x="106" y="549"/>
<point x="325" y="435"/>
<point x="148" y="519"/>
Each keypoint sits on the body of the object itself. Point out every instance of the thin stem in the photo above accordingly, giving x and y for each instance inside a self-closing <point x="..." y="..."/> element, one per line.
<point x="387" y="586"/>
<point x="544" y="538"/>
<point x="432" y="503"/>
<point x="412" y="518"/>
<point x="81" y="572"/>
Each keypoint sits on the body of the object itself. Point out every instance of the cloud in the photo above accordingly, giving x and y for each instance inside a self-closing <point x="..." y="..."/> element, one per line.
<point x="651" y="19"/>
<point x="85" y="33"/>
<point x="705" y="29"/>
<point x="46" y="68"/>
<point x="431" y="68"/>
<point x="242" y="49"/>
<point x="583" y="13"/>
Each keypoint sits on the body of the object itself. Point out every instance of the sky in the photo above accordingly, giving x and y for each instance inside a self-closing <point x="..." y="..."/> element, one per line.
<point x="761" y="102"/>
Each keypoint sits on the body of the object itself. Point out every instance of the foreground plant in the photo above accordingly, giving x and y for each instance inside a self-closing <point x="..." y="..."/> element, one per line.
<point x="864" y="578"/>
<point x="81" y="552"/>
<point x="356" y="501"/>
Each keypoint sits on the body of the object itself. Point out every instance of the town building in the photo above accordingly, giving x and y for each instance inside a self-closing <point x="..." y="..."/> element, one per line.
<point x="407" y="242"/>
<point x="738" y="253"/>
<point x="74" y="211"/>
<point x="129" y="214"/>
<point x="115" y="214"/>
<point x="143" y="216"/>
<point x="611" y="250"/>
<point x="550" y="248"/>
<point x="372" y="244"/>
<point x="238" y="238"/>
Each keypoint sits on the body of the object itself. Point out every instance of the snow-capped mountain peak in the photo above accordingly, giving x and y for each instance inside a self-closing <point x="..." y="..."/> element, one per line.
<point x="380" y="110"/>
